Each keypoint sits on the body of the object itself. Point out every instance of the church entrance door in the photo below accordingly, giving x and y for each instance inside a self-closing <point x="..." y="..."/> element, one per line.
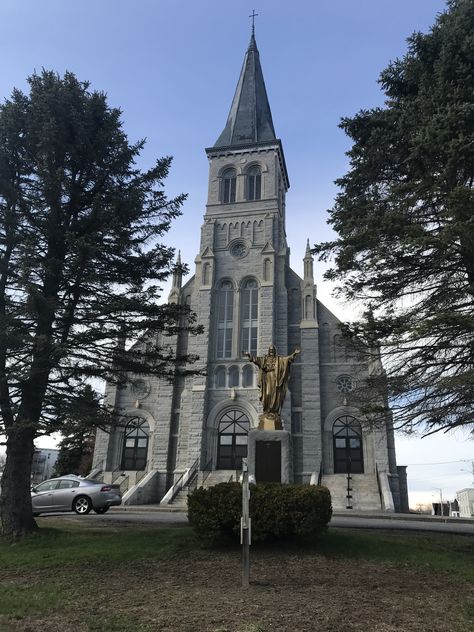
<point x="234" y="427"/>
<point x="135" y="447"/>
<point x="348" y="455"/>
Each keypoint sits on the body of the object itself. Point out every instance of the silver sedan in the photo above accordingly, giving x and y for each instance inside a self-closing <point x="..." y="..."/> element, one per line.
<point x="72" y="493"/>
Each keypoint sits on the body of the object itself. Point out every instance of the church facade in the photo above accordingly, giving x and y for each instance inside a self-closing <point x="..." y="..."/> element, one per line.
<point x="247" y="297"/>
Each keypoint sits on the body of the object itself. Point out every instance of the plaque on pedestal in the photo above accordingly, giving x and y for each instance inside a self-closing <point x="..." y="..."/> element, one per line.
<point x="269" y="455"/>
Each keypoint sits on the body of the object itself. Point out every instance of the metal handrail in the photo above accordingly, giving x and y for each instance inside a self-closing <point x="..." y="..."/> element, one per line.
<point x="320" y="475"/>
<point x="124" y="484"/>
<point x="176" y="487"/>
<point x="116" y="474"/>
<point x="192" y="482"/>
<point x="379" y="486"/>
<point x="349" y="489"/>
<point x="207" y="470"/>
<point x="141" y="473"/>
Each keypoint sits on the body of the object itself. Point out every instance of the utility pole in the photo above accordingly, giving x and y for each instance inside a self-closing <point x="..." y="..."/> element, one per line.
<point x="245" y="529"/>
<point x="441" y="500"/>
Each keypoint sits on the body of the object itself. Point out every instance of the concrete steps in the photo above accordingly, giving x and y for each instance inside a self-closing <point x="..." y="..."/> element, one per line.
<point x="180" y="501"/>
<point x="365" y="492"/>
<point x="215" y="477"/>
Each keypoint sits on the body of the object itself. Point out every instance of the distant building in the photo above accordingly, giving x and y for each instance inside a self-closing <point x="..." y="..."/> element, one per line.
<point x="43" y="465"/>
<point x="466" y="502"/>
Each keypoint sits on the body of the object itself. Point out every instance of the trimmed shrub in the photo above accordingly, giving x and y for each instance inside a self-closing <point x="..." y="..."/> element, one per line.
<point x="278" y="511"/>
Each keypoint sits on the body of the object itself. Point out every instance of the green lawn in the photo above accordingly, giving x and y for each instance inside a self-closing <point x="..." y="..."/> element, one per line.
<point x="61" y="546"/>
<point x="42" y="573"/>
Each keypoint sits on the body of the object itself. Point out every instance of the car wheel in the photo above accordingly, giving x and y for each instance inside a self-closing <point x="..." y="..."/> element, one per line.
<point x="82" y="505"/>
<point x="102" y="510"/>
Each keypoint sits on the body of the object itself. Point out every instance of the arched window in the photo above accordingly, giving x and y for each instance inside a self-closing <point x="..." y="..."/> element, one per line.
<point x="249" y="316"/>
<point x="225" y="315"/>
<point x="233" y="376"/>
<point x="347" y="437"/>
<point x="219" y="376"/>
<point x="254" y="183"/>
<point x="248" y="376"/>
<point x="234" y="427"/>
<point x="135" y="445"/>
<point x="228" y="184"/>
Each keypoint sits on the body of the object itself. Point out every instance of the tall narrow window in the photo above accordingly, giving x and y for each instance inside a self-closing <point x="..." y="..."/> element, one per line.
<point x="254" y="183"/>
<point x="249" y="317"/>
<point x="228" y="184"/>
<point x="206" y="273"/>
<point x="225" y="315"/>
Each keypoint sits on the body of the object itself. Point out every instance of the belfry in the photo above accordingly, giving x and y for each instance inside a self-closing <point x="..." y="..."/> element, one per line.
<point x="246" y="297"/>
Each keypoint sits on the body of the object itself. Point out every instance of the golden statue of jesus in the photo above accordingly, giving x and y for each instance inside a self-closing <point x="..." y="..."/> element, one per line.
<point x="273" y="376"/>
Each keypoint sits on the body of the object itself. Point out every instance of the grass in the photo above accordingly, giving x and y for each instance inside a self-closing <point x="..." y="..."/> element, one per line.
<point x="18" y="601"/>
<point x="51" y="547"/>
<point x="29" y="584"/>
<point x="439" y="552"/>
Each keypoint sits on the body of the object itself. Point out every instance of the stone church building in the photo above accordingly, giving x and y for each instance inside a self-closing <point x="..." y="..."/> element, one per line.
<point x="246" y="297"/>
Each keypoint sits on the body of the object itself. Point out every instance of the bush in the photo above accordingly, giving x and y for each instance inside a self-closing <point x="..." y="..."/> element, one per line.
<point x="277" y="511"/>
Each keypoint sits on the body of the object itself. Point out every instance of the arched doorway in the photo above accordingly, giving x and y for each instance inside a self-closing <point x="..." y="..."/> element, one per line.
<point x="135" y="444"/>
<point x="234" y="426"/>
<point x="347" y="441"/>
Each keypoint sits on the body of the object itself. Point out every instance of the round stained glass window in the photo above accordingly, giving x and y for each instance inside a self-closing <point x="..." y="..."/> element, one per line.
<point x="140" y="388"/>
<point x="344" y="384"/>
<point x="239" y="250"/>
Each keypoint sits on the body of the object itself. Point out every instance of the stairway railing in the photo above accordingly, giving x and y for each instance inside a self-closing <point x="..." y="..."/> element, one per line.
<point x="206" y="471"/>
<point x="182" y="481"/>
<point x="349" y="487"/>
<point x="141" y="473"/>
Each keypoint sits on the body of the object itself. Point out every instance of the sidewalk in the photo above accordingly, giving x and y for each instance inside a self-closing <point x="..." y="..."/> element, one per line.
<point x="348" y="513"/>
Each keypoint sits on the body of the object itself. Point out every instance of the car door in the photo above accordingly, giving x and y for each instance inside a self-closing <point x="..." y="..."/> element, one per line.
<point x="65" y="493"/>
<point x="42" y="498"/>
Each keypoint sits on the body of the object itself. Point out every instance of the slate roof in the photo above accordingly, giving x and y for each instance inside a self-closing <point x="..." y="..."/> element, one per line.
<point x="250" y="118"/>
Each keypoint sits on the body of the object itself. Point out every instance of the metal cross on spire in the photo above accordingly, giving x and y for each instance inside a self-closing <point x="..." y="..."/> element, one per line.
<point x="253" y="16"/>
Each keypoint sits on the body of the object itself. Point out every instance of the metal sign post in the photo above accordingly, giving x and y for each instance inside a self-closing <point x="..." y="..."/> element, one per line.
<point x="245" y="528"/>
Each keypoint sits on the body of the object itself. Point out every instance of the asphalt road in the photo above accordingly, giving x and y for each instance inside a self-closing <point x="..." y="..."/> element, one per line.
<point x="352" y="522"/>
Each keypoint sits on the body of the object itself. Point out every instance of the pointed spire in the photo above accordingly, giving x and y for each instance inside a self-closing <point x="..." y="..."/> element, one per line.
<point x="308" y="263"/>
<point x="178" y="273"/>
<point x="250" y="118"/>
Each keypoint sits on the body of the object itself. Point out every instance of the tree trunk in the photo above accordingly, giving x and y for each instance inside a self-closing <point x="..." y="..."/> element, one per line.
<point x="16" y="514"/>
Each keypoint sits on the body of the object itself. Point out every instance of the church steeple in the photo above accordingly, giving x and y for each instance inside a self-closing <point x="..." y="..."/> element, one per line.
<point x="250" y="118"/>
<point x="177" y="281"/>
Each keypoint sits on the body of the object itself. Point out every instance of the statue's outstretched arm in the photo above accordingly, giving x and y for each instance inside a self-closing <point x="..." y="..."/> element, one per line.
<point x="296" y="352"/>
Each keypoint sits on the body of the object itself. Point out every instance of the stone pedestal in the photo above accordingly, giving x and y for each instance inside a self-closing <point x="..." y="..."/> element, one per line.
<point x="270" y="421"/>
<point x="269" y="456"/>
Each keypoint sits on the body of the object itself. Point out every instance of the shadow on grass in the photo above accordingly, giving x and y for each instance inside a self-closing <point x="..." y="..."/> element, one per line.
<point x="69" y="546"/>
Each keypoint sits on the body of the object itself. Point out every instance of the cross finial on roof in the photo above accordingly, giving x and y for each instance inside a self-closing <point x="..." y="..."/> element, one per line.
<point x="253" y="16"/>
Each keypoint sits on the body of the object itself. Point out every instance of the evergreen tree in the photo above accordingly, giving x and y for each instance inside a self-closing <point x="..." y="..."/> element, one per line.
<point x="76" y="448"/>
<point x="405" y="226"/>
<point x="80" y="265"/>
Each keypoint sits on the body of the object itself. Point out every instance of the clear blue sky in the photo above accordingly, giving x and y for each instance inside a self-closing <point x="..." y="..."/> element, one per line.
<point x="172" y="67"/>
